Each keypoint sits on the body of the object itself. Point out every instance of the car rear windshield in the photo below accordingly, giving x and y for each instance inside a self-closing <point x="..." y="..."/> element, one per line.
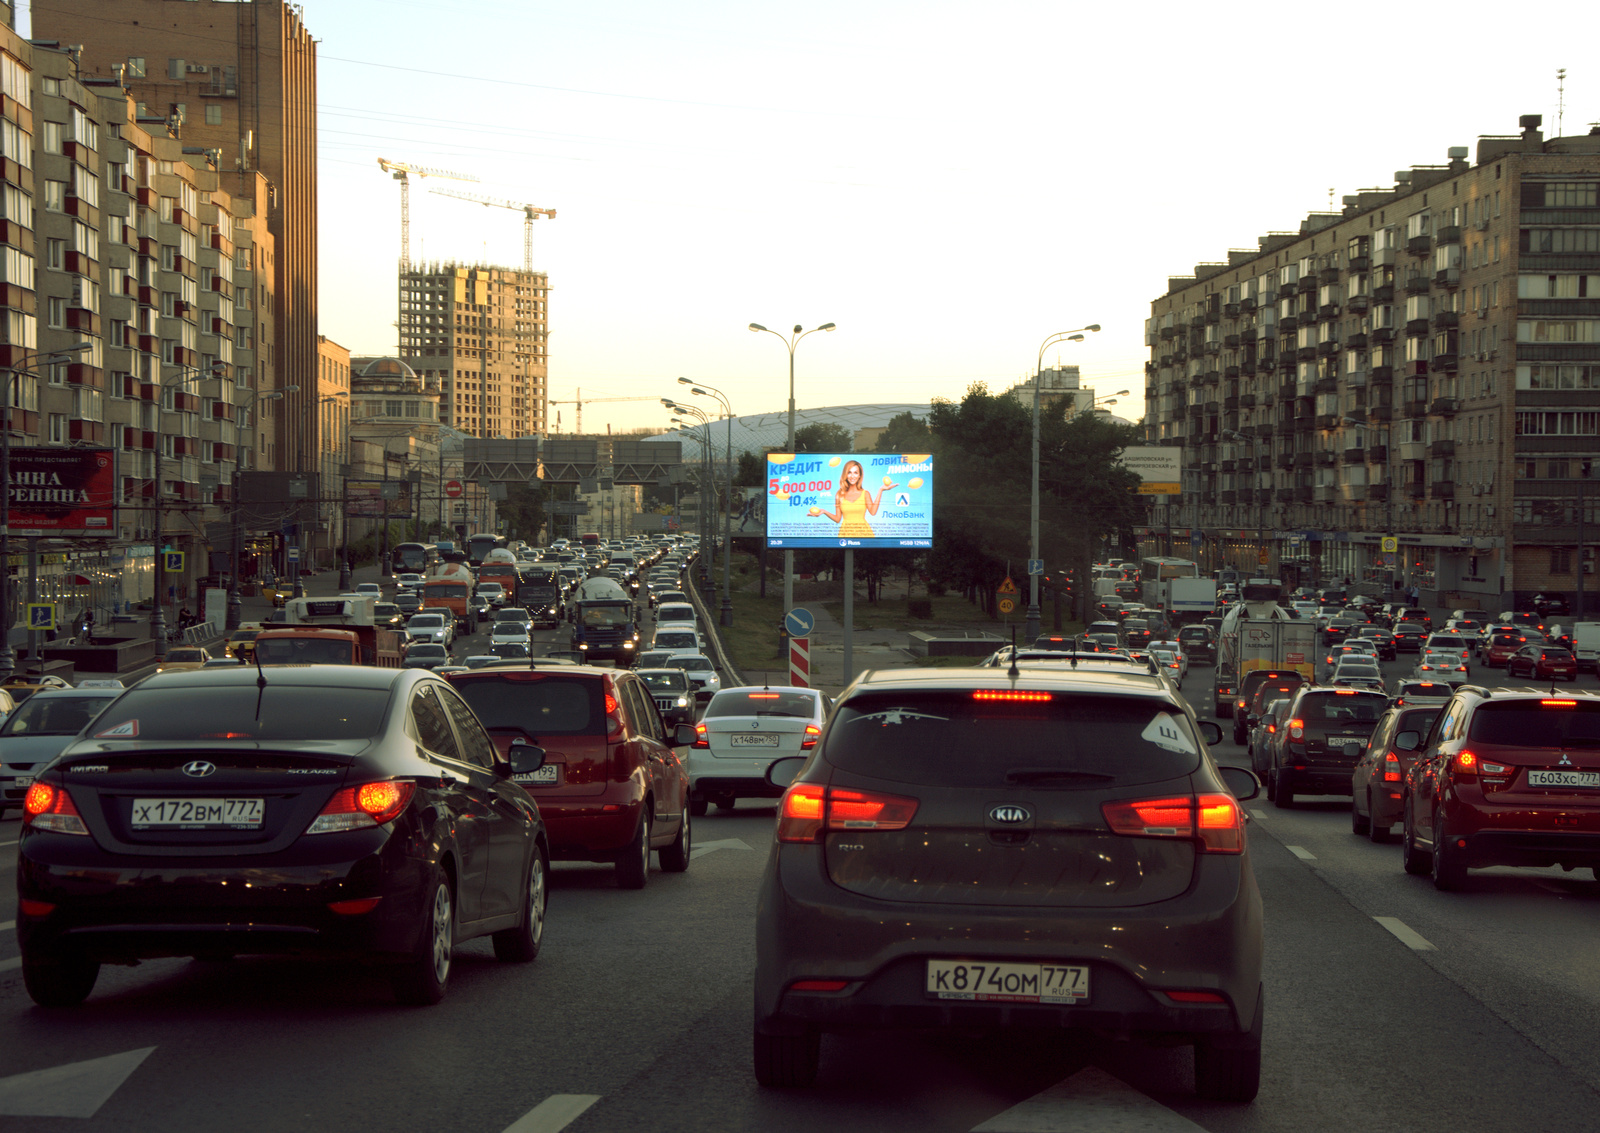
<point x="963" y="739"/>
<point x="427" y="621"/>
<point x="540" y="703"/>
<point x="1441" y="641"/>
<point x="244" y="712"/>
<point x="304" y="651"/>
<point x="1411" y="627"/>
<point x="675" y="612"/>
<point x="1553" y="722"/>
<point x="692" y="664"/>
<point x="676" y="640"/>
<point x="53" y="715"/>
<point x="447" y="590"/>
<point x="1341" y="708"/>
<point x="765" y="702"/>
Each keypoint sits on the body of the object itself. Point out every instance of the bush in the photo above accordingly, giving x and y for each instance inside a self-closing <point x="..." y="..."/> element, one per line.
<point x="919" y="607"/>
<point x="936" y="589"/>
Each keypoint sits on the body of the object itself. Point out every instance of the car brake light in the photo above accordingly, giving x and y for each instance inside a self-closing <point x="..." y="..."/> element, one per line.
<point x="354" y="908"/>
<point x="1194" y="997"/>
<point x="993" y="694"/>
<point x="1466" y="761"/>
<point x="1391" y="774"/>
<point x="48" y="807"/>
<point x="1220" y="825"/>
<point x="800" y="814"/>
<point x="1297" y="729"/>
<point x="1559" y="703"/>
<point x="819" y="985"/>
<point x="808" y="809"/>
<point x="812" y="732"/>
<point x="369" y="804"/>
<point x="700" y="738"/>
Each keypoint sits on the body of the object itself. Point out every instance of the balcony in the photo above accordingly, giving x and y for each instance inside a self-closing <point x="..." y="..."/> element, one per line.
<point x="1383" y="293"/>
<point x="1355" y="456"/>
<point x="1230" y="404"/>
<point x="1284" y="495"/>
<point x="1304" y="494"/>
<point x="1230" y="310"/>
<point x="1356" y="342"/>
<point x="1325" y="493"/>
<point x="1442" y="490"/>
<point x="1229" y="465"/>
<point x="1285" y="460"/>
<point x="1247" y="306"/>
<point x="1449" y="234"/>
<point x="1325" y="385"/>
<point x="1419" y="245"/>
<point x="1377" y="491"/>
<point x="1416" y="328"/>
<point x="1378" y="454"/>
<point x="1228" y="495"/>
<point x="1307" y="284"/>
<point x="1213" y="348"/>
<point x="1247" y="401"/>
<point x="1303" y="459"/>
<point x="1231" y="373"/>
<point x="1414" y="408"/>
<point x="1446" y="319"/>
<point x="1265" y="431"/>
<point x="1382" y="375"/>
<point x="1445" y="407"/>
<point x="1286" y="392"/>
<point x="1327" y="312"/>
<point x="1328" y="275"/>
<point x="1197" y="322"/>
<point x="1358" y="304"/>
<point x="1446" y="362"/>
<point x="1418" y="285"/>
<point x="1382" y="334"/>
<point x="1328" y="349"/>
<point x="1359" y="264"/>
<point x="1327" y="456"/>
<point x="1328" y="421"/>
<point x="1247" y="369"/>
<point x="1246" y="464"/>
<point x="1168" y="332"/>
<point x="1380" y="412"/>
<point x="1448" y="277"/>
<point x="1306" y="354"/>
<point x="1416" y="490"/>
<point x="1288" y="324"/>
<point x="1231" y="341"/>
<point x="1442" y="448"/>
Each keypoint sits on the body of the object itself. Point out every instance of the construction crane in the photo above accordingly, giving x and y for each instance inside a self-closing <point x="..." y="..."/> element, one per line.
<point x="403" y="172"/>
<point x="581" y="401"/>
<point x="529" y="212"/>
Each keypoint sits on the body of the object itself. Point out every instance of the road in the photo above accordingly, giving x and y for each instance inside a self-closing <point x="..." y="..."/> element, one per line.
<point x="1457" y="1012"/>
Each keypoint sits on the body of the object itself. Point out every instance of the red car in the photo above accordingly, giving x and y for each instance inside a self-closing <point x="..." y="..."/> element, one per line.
<point x="1509" y="777"/>
<point x="1504" y="644"/>
<point x="612" y="788"/>
<point x="1543" y="662"/>
<point x="1376" y="780"/>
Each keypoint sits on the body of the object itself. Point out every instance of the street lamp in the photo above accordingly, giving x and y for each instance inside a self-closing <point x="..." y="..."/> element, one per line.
<point x="158" y="615"/>
<point x="791" y="342"/>
<point x="726" y="615"/>
<point x="235" y="609"/>
<point x="8" y="656"/>
<point x="1388" y="481"/>
<point x="1032" y="625"/>
<point x="702" y="424"/>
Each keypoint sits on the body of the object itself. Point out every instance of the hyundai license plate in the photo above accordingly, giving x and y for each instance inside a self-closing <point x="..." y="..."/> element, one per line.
<point x="547" y="776"/>
<point x="751" y="739"/>
<point x="1583" y="780"/>
<point x="1007" y="983"/>
<point x="198" y="814"/>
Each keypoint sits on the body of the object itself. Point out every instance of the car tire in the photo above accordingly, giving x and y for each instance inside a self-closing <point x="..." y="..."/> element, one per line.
<point x="423" y="979"/>
<point x="727" y="804"/>
<point x="1358" y="825"/>
<point x="633" y="866"/>
<point x="1229" y="1070"/>
<point x="1413" y="859"/>
<point x="675" y="858"/>
<point x="521" y="944"/>
<point x="60" y="980"/>
<point x="1449" y="874"/>
<point x="787" y="1061"/>
<point x="699" y="805"/>
<point x="1283" y="798"/>
<point x="1376" y="831"/>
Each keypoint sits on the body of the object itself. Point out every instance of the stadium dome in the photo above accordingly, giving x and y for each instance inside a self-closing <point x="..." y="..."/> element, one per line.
<point x="757" y="432"/>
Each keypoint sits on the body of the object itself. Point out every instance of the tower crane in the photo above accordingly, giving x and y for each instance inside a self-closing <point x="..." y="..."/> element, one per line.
<point x="581" y="401"/>
<point x="529" y="212"/>
<point x="403" y="172"/>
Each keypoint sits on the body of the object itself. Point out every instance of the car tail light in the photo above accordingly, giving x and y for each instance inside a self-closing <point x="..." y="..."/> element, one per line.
<point x="998" y="694"/>
<point x="354" y="908"/>
<point x="812" y="732"/>
<point x="701" y="739"/>
<point x="48" y="807"/>
<point x="1391" y="768"/>
<point x="369" y="804"/>
<point x="31" y="908"/>
<point x="800" y="815"/>
<point x="1297" y="729"/>
<point x="1496" y="776"/>
<point x="810" y="808"/>
<point x="1194" y="997"/>
<point x="1214" y="819"/>
<point x="819" y="985"/>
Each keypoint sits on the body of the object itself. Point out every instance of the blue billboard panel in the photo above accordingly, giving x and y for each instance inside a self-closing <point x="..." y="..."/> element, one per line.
<point x="850" y="499"/>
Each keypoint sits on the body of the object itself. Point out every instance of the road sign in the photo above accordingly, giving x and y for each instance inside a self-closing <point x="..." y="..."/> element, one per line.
<point x="453" y="488"/>
<point x="800" y="662"/>
<point x="1261" y="557"/>
<point x="172" y="562"/>
<point x="1008" y="587"/>
<point x="1035" y="566"/>
<point x="41" y="615"/>
<point x="1390" y="544"/>
<point x="799" y="622"/>
<point x="294" y="554"/>
<point x="1007" y="605"/>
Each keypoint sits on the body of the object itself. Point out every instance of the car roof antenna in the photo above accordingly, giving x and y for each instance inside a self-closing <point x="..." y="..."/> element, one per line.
<point x="261" y="680"/>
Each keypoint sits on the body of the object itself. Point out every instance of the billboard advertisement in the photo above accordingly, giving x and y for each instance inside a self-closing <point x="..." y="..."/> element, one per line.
<point x="63" y="491"/>
<point x="849" y="499"/>
<point x="1159" y="468"/>
<point x="374" y="499"/>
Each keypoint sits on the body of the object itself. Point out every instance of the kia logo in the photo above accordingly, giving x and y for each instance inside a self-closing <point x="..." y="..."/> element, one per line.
<point x="1011" y="815"/>
<point x="199" y="768"/>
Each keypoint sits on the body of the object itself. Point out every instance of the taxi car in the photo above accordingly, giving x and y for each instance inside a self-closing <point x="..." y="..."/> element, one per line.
<point x="20" y="686"/>
<point x="182" y="658"/>
<point x="241" y="642"/>
<point x="367" y="805"/>
<point x="1114" y="893"/>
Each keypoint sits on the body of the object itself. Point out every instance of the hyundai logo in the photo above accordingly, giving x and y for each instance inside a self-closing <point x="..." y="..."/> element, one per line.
<point x="198" y="768"/>
<point x="1011" y="815"/>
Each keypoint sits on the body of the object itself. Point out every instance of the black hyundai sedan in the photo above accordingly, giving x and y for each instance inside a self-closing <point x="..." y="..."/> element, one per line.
<point x="320" y="809"/>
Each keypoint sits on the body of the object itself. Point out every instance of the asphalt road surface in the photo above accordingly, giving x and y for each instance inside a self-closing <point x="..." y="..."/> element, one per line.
<point x="1389" y="1006"/>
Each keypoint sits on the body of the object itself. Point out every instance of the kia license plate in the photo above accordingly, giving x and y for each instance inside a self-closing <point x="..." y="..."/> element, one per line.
<point x="547" y="776"/>
<point x="1007" y="983"/>
<point x="751" y="739"/>
<point x="198" y="814"/>
<point x="1581" y="780"/>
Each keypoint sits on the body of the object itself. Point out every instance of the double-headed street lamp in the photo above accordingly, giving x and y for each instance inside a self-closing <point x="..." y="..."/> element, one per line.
<point x="235" y="608"/>
<point x="8" y="656"/>
<point x="726" y="615"/>
<point x="791" y="342"/>
<point x="1032" y="626"/>
<point x="697" y="420"/>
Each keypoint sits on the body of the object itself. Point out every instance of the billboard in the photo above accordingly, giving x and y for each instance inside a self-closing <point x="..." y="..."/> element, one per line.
<point x="63" y="491"/>
<point x="365" y="499"/>
<point x="849" y="499"/>
<point x="1159" y="467"/>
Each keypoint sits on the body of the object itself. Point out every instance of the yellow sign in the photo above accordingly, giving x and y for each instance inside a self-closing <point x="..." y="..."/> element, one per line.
<point x="1007" y="605"/>
<point x="1261" y="557"/>
<point x="1390" y="544"/>
<point x="41" y="615"/>
<point x="1008" y="587"/>
<point x="1155" y="489"/>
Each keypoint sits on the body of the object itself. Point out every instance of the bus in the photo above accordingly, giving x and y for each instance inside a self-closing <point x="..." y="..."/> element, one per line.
<point x="480" y="545"/>
<point x="414" y="558"/>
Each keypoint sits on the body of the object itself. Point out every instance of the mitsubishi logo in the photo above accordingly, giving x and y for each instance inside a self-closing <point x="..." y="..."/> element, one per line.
<point x="1011" y="814"/>
<point x="1566" y="760"/>
<point x="198" y="768"/>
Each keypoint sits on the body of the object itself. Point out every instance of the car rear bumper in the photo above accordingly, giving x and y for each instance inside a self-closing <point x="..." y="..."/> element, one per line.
<point x="1570" y="848"/>
<point x="732" y="784"/>
<point x="594" y="832"/>
<point x="1315" y="778"/>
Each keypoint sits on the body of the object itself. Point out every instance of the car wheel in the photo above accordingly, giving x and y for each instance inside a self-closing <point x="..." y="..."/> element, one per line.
<point x="787" y="1060"/>
<point x="727" y="803"/>
<point x="60" y="980"/>
<point x="1376" y="831"/>
<point x="675" y="858"/>
<point x="1415" y="861"/>
<point x="1229" y="1070"/>
<point x="1358" y="824"/>
<point x="1448" y="872"/>
<point x="698" y="806"/>
<point x="1283" y="799"/>
<point x="421" y="981"/>
<point x="633" y="867"/>
<point x="520" y="944"/>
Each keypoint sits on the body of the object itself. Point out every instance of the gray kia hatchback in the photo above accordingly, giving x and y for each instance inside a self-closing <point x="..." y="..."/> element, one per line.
<point x="983" y="849"/>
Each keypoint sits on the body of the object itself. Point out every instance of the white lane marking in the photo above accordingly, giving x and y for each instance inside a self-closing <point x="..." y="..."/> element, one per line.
<point x="553" y="1114"/>
<point x="1302" y="853"/>
<point x="77" y="1089"/>
<point x="11" y="965"/>
<point x="1259" y="815"/>
<point x="5" y="925"/>
<point x="1091" y="1101"/>
<point x="1405" y="934"/>
<point x="713" y="847"/>
<point x="13" y="842"/>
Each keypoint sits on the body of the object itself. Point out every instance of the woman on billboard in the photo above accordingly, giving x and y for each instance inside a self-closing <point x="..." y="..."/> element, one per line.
<point x="852" y="503"/>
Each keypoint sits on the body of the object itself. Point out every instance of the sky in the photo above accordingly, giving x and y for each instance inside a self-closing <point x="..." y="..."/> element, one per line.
<point x="950" y="184"/>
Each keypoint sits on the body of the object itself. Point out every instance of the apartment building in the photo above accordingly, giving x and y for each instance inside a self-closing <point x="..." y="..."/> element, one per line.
<point x="1421" y="367"/>
<point x="333" y="455"/>
<point x="237" y="81"/>
<point x="481" y="333"/>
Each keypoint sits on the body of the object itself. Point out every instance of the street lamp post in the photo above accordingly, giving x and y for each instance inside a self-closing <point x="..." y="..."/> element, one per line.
<point x="1388" y="481"/>
<point x="235" y="607"/>
<point x="1031" y="629"/>
<point x="726" y="615"/>
<point x="8" y="656"/>
<point x="702" y="424"/>
<point x="791" y="342"/>
<point x="158" y="614"/>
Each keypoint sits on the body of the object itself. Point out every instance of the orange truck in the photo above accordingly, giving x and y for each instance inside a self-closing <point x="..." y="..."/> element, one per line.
<point x="448" y="586"/>
<point x="329" y="631"/>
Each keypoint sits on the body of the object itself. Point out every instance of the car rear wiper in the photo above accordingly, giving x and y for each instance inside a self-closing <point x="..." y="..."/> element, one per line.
<point x="1042" y="775"/>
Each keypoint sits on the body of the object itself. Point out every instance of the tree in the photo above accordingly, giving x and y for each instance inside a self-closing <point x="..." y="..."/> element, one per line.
<point x="523" y="510"/>
<point x="904" y="433"/>
<point x="824" y="436"/>
<point x="751" y="471"/>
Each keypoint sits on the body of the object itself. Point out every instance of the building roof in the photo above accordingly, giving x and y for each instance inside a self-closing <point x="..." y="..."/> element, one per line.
<point x="756" y="432"/>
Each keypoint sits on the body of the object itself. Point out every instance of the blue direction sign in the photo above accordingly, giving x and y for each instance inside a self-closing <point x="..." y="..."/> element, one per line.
<point x="1035" y="566"/>
<point x="800" y="622"/>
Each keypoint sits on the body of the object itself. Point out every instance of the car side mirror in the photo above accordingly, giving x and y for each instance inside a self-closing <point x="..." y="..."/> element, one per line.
<point x="1212" y="731"/>
<point x="1408" y="740"/>
<point x="682" y="736"/>
<point x="782" y="772"/>
<point x="522" y="759"/>
<point x="1241" y="782"/>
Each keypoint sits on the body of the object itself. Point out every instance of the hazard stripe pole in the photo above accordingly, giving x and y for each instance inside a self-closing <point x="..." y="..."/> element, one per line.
<point x="800" y="662"/>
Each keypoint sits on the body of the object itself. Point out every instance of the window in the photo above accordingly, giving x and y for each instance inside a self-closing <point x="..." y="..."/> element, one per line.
<point x="58" y="428"/>
<point x="56" y="316"/>
<point x="1557" y="240"/>
<point x="55" y="196"/>
<point x="88" y="404"/>
<point x="135" y="67"/>
<point x="476" y="747"/>
<point x="213" y="114"/>
<point x="432" y="726"/>
<point x="54" y="252"/>
<point x="16" y="143"/>
<point x="51" y="134"/>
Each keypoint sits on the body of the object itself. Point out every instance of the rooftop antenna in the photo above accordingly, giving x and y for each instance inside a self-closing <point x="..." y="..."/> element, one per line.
<point x="1561" y="99"/>
<point x="1330" y="198"/>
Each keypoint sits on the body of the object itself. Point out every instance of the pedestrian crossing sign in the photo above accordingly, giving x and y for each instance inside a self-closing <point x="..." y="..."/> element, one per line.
<point x="41" y="615"/>
<point x="172" y="561"/>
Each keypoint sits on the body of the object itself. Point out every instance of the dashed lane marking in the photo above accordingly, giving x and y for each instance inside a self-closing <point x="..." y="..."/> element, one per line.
<point x="703" y="848"/>
<point x="11" y="965"/>
<point x="1302" y="853"/>
<point x="1091" y="1101"/>
<point x="553" y="1114"/>
<point x="1405" y="934"/>
<point x="77" y="1089"/>
<point x="6" y="925"/>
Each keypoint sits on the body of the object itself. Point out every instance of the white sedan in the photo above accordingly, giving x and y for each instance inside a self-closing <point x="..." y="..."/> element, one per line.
<point x="1173" y="662"/>
<point x="742" y="731"/>
<point x="702" y="673"/>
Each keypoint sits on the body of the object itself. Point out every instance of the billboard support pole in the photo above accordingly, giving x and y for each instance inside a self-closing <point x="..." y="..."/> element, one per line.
<point x="8" y="662"/>
<point x="33" y="596"/>
<point x="849" y="614"/>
